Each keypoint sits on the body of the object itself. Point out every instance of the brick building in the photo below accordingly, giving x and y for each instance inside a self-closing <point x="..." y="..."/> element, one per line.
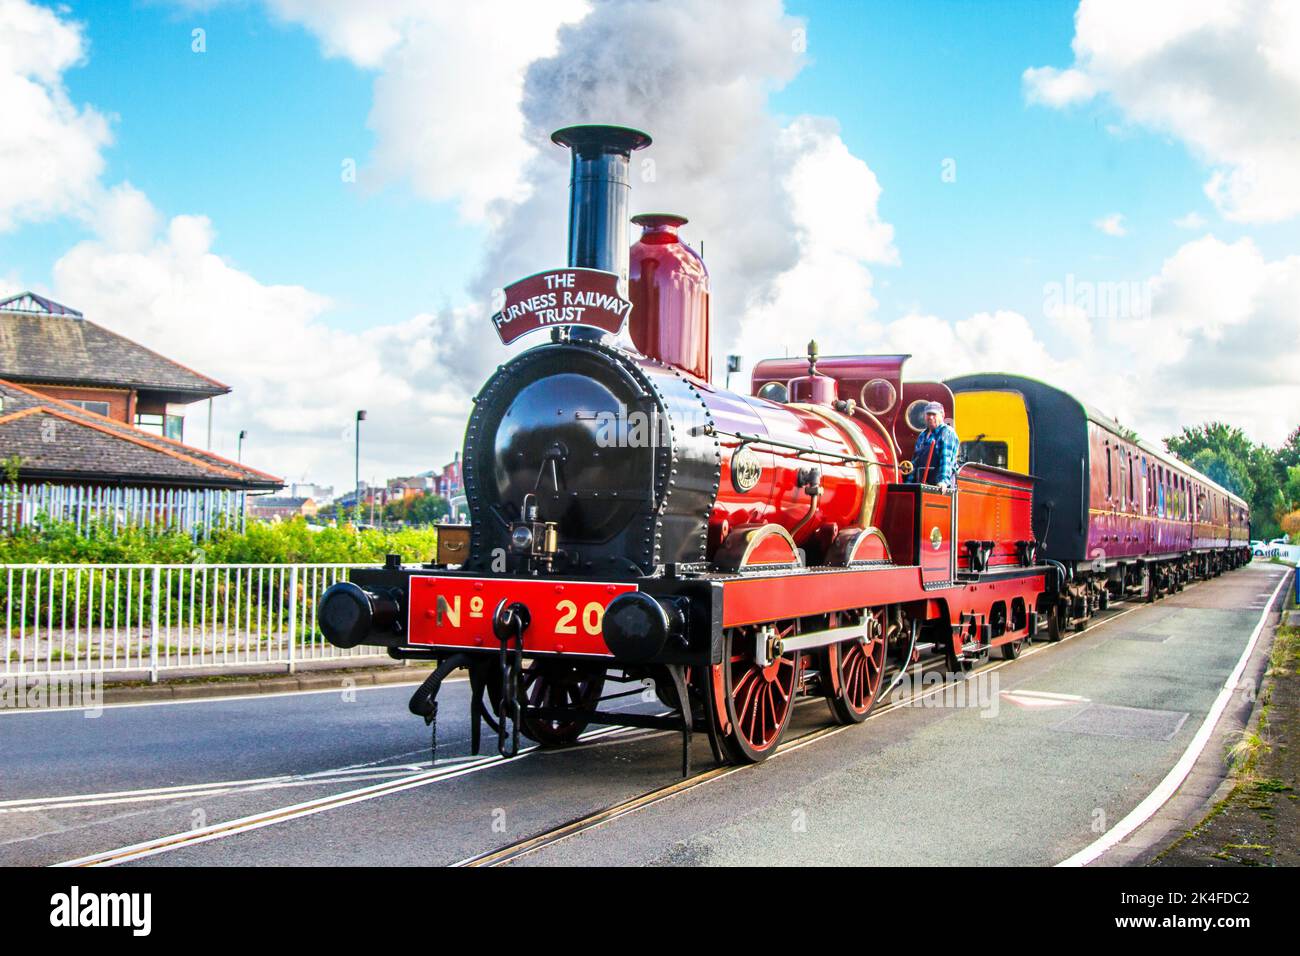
<point x="91" y="425"/>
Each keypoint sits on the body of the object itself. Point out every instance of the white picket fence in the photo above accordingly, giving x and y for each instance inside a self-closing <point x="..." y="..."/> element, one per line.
<point x="196" y="510"/>
<point x="151" y="618"/>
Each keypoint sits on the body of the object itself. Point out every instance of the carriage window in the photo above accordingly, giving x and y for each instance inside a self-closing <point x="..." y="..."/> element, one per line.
<point x="985" y="453"/>
<point x="1119" y="459"/>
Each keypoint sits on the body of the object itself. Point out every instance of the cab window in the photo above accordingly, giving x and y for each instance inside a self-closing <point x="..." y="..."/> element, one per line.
<point x="985" y="453"/>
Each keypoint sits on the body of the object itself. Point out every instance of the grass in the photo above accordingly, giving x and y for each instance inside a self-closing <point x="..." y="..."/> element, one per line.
<point x="1284" y="657"/>
<point x="1245" y="754"/>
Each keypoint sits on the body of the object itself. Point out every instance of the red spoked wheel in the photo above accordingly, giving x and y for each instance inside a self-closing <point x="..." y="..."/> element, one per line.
<point x="856" y="669"/>
<point x="560" y="684"/>
<point x="750" y="703"/>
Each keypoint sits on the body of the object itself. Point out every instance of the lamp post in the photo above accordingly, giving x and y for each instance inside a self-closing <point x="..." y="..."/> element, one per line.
<point x="239" y="457"/>
<point x="361" y="417"/>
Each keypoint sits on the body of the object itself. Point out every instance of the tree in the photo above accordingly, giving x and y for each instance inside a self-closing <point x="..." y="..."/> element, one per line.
<point x="1217" y="436"/>
<point x="1225" y="455"/>
<point x="1288" y="456"/>
<point x="420" y="510"/>
<point x="1291" y="489"/>
<point x="1223" y="469"/>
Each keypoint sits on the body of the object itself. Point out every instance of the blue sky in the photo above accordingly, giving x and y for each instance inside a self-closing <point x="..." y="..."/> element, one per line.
<point x="252" y="134"/>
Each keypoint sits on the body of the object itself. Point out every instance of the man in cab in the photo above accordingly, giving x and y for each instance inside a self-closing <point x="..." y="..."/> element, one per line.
<point x="935" y="460"/>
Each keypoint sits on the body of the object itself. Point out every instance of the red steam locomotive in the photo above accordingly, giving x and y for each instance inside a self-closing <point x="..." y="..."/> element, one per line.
<point x="629" y="519"/>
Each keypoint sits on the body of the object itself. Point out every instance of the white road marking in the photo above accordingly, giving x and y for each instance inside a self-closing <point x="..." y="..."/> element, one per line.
<point x="194" y="791"/>
<point x="1174" y="779"/>
<point x="138" y="851"/>
<point x="211" y="700"/>
<point x="1042" y="698"/>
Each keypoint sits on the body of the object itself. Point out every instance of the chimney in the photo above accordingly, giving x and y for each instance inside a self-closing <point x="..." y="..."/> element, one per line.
<point x="669" y="288"/>
<point x="598" y="193"/>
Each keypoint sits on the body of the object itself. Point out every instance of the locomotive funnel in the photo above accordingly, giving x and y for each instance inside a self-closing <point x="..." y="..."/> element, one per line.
<point x="598" y="192"/>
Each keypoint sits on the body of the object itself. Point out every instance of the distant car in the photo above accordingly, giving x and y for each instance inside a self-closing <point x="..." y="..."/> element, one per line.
<point x="1281" y="540"/>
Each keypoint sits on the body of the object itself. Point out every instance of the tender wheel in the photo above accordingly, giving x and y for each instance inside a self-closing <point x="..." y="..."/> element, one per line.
<point x="857" y="671"/>
<point x="551" y="683"/>
<point x="750" y="706"/>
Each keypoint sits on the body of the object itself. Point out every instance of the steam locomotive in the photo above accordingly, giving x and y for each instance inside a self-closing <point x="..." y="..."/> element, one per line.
<point x="630" y="520"/>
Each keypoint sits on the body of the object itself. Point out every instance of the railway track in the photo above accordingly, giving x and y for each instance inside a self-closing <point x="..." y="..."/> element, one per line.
<point x="521" y="848"/>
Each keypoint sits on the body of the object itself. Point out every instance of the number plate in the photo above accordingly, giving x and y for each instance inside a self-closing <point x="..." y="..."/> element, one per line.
<point x="457" y="612"/>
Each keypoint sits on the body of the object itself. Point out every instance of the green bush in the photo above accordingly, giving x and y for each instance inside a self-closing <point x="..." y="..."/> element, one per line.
<point x="288" y="542"/>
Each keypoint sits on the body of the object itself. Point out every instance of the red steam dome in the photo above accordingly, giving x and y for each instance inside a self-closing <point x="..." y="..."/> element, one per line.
<point x="669" y="289"/>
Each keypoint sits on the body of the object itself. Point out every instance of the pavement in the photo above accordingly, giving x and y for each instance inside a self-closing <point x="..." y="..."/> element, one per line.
<point x="328" y="677"/>
<point x="1028" y="762"/>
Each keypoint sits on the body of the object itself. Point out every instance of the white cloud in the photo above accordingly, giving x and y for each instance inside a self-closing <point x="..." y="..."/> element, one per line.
<point x="1112" y="225"/>
<point x="50" y="158"/>
<point x="1211" y="335"/>
<point x="449" y="81"/>
<point x="838" y="233"/>
<point x="1073" y="322"/>
<point x="1221" y="341"/>
<point x="1052" y="87"/>
<point x="1193" y="220"/>
<point x="296" y="381"/>
<point x="1222" y="77"/>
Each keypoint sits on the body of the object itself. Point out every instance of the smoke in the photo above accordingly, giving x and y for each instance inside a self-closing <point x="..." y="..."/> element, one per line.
<point x="749" y="185"/>
<point x="783" y="210"/>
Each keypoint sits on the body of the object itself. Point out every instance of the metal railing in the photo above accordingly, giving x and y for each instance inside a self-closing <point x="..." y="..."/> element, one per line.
<point x="150" y="618"/>
<point x="194" y="510"/>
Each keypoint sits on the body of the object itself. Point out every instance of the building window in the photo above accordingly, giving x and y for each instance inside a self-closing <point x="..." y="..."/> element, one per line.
<point x="99" y="408"/>
<point x="168" y="426"/>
